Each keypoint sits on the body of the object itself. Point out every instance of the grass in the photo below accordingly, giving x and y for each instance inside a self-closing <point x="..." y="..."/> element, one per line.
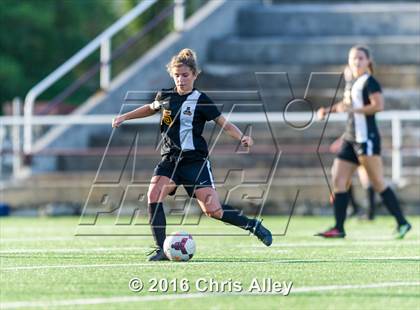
<point x="43" y="264"/>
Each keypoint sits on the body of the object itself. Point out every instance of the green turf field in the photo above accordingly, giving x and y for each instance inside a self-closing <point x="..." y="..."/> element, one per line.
<point x="44" y="265"/>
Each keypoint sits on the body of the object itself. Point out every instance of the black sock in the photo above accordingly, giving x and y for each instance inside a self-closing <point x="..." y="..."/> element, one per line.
<point x="340" y="208"/>
<point x="352" y="200"/>
<point x="393" y="206"/>
<point x="234" y="217"/>
<point x="157" y="222"/>
<point x="371" y="198"/>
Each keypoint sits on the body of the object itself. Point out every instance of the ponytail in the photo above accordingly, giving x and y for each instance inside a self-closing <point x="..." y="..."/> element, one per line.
<point x="370" y="67"/>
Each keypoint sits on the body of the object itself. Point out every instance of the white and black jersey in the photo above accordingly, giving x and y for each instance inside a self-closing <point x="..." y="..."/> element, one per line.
<point x="183" y="120"/>
<point x="361" y="127"/>
<point x="184" y="150"/>
<point x="361" y="137"/>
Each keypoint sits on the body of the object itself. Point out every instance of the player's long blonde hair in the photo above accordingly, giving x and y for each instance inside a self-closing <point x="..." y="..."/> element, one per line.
<point x="186" y="57"/>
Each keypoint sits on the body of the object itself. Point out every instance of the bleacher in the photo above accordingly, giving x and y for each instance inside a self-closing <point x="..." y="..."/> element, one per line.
<point x="276" y="63"/>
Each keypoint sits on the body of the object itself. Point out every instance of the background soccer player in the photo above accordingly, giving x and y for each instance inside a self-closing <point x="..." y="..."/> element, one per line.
<point x="361" y="145"/>
<point x="185" y="110"/>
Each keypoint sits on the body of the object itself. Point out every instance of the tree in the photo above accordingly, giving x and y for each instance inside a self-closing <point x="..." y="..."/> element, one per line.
<point x="39" y="35"/>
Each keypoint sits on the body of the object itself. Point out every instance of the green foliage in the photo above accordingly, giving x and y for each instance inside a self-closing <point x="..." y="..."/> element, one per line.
<point x="39" y="35"/>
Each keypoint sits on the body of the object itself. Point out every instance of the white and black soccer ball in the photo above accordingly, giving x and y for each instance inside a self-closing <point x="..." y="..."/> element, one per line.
<point x="179" y="246"/>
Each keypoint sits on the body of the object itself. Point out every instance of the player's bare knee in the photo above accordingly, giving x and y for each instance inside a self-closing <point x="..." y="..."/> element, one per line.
<point x="378" y="185"/>
<point x="340" y="183"/>
<point x="216" y="214"/>
<point x="153" y="195"/>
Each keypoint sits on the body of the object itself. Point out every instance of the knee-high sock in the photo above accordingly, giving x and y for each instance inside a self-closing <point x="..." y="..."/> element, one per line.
<point x="393" y="206"/>
<point x="157" y="222"/>
<point x="234" y="217"/>
<point x="340" y="208"/>
<point x="371" y="199"/>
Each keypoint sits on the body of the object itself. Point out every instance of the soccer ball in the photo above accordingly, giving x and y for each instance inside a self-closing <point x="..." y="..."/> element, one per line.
<point x="179" y="246"/>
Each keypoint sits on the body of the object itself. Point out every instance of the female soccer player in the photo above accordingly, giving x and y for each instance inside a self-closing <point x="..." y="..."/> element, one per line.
<point x="361" y="144"/>
<point x="185" y="110"/>
<point x="335" y="147"/>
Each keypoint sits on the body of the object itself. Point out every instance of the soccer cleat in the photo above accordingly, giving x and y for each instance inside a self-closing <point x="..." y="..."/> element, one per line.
<point x="262" y="233"/>
<point x="159" y="255"/>
<point x="332" y="233"/>
<point x="402" y="230"/>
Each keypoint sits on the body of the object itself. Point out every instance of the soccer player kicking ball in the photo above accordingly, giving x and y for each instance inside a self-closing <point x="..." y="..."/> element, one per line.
<point x="185" y="110"/>
<point x="361" y="144"/>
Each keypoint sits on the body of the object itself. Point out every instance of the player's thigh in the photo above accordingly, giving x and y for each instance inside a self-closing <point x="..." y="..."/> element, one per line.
<point x="374" y="169"/>
<point x="160" y="186"/>
<point x="342" y="172"/>
<point x="208" y="199"/>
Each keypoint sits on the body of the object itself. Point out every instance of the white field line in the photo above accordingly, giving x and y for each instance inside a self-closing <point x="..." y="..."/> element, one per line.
<point x="201" y="263"/>
<point x="338" y="243"/>
<point x="73" y="238"/>
<point x="129" y="299"/>
<point x="4" y="240"/>
<point x="70" y="250"/>
<point x="81" y="250"/>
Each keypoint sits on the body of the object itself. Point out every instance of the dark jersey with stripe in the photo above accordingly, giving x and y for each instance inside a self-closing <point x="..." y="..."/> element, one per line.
<point x="182" y="122"/>
<point x="361" y="127"/>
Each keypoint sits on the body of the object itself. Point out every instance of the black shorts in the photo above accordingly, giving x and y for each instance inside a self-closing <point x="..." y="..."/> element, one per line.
<point x="351" y="150"/>
<point x="192" y="174"/>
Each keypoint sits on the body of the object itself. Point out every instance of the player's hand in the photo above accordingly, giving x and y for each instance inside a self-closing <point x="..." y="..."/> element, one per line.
<point x="247" y="141"/>
<point x="117" y="121"/>
<point x="320" y="114"/>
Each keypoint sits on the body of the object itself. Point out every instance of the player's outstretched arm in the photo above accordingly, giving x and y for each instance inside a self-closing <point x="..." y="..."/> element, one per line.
<point x="376" y="105"/>
<point x="337" y="107"/>
<point x="233" y="131"/>
<point x="141" y="112"/>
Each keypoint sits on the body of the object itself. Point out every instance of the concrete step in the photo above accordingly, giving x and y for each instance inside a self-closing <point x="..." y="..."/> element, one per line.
<point x="262" y="154"/>
<point x="282" y="132"/>
<point x="291" y="142"/>
<point x="243" y="76"/>
<point x="396" y="50"/>
<point x="75" y="188"/>
<point x="276" y="99"/>
<point x="330" y="20"/>
<point x="113" y="162"/>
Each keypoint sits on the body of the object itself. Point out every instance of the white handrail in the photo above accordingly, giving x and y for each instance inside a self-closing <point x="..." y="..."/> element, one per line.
<point x="396" y="117"/>
<point x="102" y="41"/>
<point x="238" y="117"/>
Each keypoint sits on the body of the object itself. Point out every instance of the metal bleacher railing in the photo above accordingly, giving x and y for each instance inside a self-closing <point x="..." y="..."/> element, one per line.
<point x="103" y="43"/>
<point x="396" y="118"/>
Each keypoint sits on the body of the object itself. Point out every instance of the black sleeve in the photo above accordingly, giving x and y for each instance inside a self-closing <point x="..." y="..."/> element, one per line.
<point x="373" y="86"/>
<point x="159" y="96"/>
<point x="208" y="108"/>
